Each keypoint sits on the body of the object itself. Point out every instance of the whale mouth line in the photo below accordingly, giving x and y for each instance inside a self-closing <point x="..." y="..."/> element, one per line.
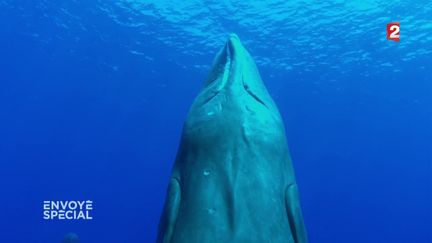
<point x="222" y="83"/>
<point x="249" y="91"/>
<point x="211" y="97"/>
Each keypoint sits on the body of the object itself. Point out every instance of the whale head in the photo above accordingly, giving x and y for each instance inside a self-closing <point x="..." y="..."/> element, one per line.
<point x="235" y="74"/>
<point x="71" y="238"/>
<point x="234" y="96"/>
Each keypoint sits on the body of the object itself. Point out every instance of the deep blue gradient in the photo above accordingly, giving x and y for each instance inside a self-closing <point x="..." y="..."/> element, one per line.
<point x="93" y="95"/>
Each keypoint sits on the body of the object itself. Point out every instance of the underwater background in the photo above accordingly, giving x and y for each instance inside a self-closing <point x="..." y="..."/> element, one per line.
<point x="93" y="95"/>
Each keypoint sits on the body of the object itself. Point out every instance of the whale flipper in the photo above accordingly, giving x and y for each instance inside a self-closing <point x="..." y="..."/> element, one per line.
<point x="170" y="212"/>
<point x="294" y="214"/>
<point x="233" y="179"/>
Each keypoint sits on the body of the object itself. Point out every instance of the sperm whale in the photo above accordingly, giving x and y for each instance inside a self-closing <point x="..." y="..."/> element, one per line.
<point x="232" y="180"/>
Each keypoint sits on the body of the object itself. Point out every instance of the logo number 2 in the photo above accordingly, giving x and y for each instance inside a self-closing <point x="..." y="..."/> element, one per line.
<point x="394" y="34"/>
<point x="393" y="31"/>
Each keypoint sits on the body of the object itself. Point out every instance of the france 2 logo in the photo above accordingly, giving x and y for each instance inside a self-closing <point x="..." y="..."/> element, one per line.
<point x="393" y="31"/>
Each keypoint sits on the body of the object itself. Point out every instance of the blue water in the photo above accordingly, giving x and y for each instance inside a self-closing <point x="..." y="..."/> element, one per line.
<point x="93" y="95"/>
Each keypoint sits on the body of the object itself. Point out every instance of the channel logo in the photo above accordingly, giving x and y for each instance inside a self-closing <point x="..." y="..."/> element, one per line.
<point x="393" y="31"/>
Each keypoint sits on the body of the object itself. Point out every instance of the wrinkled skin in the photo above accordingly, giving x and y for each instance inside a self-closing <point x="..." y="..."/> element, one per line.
<point x="233" y="179"/>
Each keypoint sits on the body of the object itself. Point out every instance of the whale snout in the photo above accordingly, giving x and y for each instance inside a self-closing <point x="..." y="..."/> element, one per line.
<point x="233" y="46"/>
<point x="233" y="80"/>
<point x="229" y="66"/>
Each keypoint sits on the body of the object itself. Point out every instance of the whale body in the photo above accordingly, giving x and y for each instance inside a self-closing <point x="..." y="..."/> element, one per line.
<point x="233" y="179"/>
